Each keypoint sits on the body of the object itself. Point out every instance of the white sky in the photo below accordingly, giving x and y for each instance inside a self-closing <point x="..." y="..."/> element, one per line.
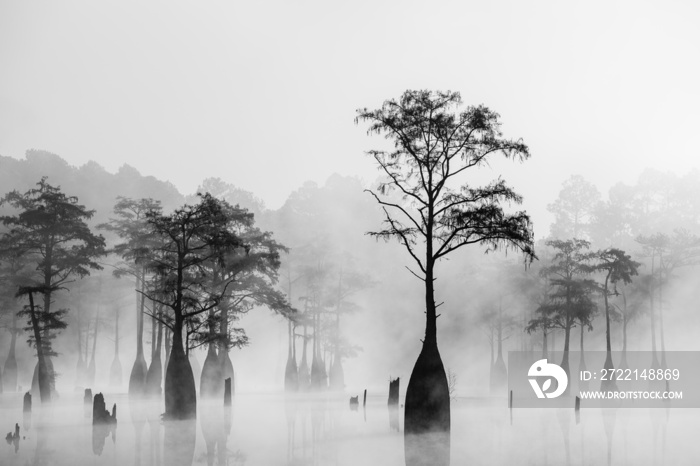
<point x="263" y="94"/>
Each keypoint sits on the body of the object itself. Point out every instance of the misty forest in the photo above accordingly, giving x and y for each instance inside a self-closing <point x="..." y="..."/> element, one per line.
<point x="360" y="319"/>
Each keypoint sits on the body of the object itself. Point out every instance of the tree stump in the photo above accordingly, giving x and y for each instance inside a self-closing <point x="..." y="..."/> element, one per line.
<point x="227" y="392"/>
<point x="87" y="398"/>
<point x="394" y="391"/>
<point x="27" y="405"/>
<point x="99" y="414"/>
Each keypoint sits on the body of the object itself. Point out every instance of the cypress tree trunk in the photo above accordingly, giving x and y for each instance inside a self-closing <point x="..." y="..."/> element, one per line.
<point x="80" y="366"/>
<point x="115" y="372"/>
<point x="211" y="384"/>
<point x="623" y="359"/>
<point x="48" y="273"/>
<point x="608" y="383"/>
<point x="180" y="391"/>
<point x="608" y="345"/>
<point x="654" y="358"/>
<point x="427" y="406"/>
<point x="154" y="376"/>
<point x="427" y="394"/>
<point x="137" y="379"/>
<point x="500" y="374"/>
<point x="9" y="376"/>
<point x="661" y="322"/>
<point x="567" y="334"/>
<point x="304" y="376"/>
<point x="544" y="343"/>
<point x="91" y="366"/>
<point x="291" y="380"/>
<point x="224" y="357"/>
<point x="583" y="384"/>
<point x="336" y="374"/>
<point x="43" y="376"/>
<point x="153" y="333"/>
<point x="168" y="345"/>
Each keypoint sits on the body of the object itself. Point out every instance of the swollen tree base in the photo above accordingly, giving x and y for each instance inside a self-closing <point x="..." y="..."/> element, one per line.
<point x="9" y="373"/>
<point x="427" y="411"/>
<point x="180" y="391"/>
<point x="115" y="373"/>
<point x="498" y="382"/>
<point x="154" y="377"/>
<point x="137" y="379"/>
<point x="291" y="376"/>
<point x="211" y="382"/>
<point x="336" y="377"/>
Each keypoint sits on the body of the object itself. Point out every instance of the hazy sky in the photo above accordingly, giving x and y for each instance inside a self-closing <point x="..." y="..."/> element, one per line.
<point x="263" y="94"/>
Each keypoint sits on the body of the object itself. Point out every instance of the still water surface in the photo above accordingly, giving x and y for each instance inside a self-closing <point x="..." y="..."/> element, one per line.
<point x="278" y="430"/>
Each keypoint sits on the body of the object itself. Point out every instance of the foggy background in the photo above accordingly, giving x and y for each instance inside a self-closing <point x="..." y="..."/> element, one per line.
<point x="263" y="96"/>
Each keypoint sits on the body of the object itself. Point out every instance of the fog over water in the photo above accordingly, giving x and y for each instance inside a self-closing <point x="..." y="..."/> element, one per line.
<point x="204" y="172"/>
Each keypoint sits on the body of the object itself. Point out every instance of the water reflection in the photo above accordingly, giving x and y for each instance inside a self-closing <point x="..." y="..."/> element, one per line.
<point x="564" y="417"/>
<point x="393" y="418"/>
<point x="609" y="421"/>
<point x="430" y="449"/>
<point x="215" y="423"/>
<point x="137" y="409"/>
<point x="43" y="455"/>
<point x="659" y="419"/>
<point x="100" y="432"/>
<point x="311" y="429"/>
<point x="12" y="438"/>
<point x="179" y="442"/>
<point x="322" y="430"/>
<point x="153" y="410"/>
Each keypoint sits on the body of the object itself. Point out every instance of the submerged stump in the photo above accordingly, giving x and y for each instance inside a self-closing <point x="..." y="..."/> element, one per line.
<point x="393" y="391"/>
<point x="227" y="392"/>
<point x="100" y="415"/>
<point x="27" y="403"/>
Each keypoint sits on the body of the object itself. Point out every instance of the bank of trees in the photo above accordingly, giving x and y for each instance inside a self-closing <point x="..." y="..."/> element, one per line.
<point x="625" y="252"/>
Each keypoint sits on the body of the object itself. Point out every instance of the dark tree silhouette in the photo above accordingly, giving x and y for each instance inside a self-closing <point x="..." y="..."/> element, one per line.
<point x="249" y="274"/>
<point x="434" y="143"/>
<point x="193" y="237"/>
<point x="570" y="299"/>
<point x="51" y="232"/>
<point x="131" y="226"/>
<point x="616" y="267"/>
<point x="350" y="282"/>
<point x="10" y="272"/>
<point x="629" y="307"/>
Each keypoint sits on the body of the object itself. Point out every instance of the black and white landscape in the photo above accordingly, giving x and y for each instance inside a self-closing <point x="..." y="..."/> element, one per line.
<point x="310" y="233"/>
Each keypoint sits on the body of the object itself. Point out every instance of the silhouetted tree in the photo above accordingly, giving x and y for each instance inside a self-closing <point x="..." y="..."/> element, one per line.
<point x="434" y="143"/>
<point x="672" y="252"/>
<point x="193" y="237"/>
<point x="616" y="267"/>
<point x="570" y="299"/>
<point x="132" y="227"/>
<point x="51" y="232"/>
<point x="350" y="282"/>
<point x="10" y="279"/>
<point x="629" y="307"/>
<point x="250" y="275"/>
